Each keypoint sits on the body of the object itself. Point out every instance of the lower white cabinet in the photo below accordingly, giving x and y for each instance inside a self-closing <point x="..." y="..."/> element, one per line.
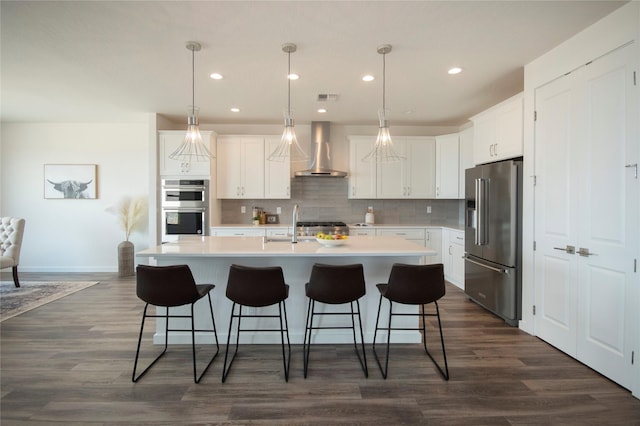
<point x="238" y="232"/>
<point x="433" y="240"/>
<point x="452" y="253"/>
<point x="357" y="231"/>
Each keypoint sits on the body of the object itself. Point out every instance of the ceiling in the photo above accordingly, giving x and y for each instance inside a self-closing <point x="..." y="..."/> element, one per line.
<point x="117" y="60"/>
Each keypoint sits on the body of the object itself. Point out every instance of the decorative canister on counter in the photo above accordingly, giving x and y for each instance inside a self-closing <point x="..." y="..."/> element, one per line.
<point x="369" y="218"/>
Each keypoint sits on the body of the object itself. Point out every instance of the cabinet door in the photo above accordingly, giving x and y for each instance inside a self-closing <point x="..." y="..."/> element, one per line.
<point x="453" y="257"/>
<point x="168" y="141"/>
<point x="277" y="178"/>
<point x="252" y="165"/>
<point x="484" y="131"/>
<point x="392" y="176"/>
<point x="420" y="177"/>
<point x="466" y="157"/>
<point x="362" y="175"/>
<point x="508" y="143"/>
<point x="229" y="175"/>
<point x="447" y="159"/>
<point x="433" y="240"/>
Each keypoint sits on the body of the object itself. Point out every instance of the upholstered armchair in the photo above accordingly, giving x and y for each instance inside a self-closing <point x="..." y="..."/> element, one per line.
<point x="11" y="231"/>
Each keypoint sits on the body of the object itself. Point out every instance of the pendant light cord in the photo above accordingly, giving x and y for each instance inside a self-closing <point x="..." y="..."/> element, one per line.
<point x="193" y="82"/>
<point x="289" y="84"/>
<point x="384" y="63"/>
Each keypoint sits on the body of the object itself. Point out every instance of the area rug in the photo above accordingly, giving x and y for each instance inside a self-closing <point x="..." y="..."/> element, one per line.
<point x="31" y="294"/>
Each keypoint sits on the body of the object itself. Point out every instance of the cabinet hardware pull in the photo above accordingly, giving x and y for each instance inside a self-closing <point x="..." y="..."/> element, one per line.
<point x="569" y="249"/>
<point x="635" y="166"/>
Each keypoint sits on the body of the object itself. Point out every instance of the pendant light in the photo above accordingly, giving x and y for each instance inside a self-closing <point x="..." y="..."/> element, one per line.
<point x="383" y="150"/>
<point x="192" y="147"/>
<point x="288" y="148"/>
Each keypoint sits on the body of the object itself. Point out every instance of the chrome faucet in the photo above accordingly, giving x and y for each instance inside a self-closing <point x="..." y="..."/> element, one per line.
<point x="294" y="220"/>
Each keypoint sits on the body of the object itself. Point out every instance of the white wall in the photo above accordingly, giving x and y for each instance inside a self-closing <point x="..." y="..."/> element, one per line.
<point x="73" y="235"/>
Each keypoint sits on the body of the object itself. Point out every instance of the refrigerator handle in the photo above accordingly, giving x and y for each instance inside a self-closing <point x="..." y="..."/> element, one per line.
<point x="481" y="226"/>
<point x="502" y="271"/>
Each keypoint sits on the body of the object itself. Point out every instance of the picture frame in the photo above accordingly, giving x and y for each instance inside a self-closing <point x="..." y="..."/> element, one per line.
<point x="70" y="181"/>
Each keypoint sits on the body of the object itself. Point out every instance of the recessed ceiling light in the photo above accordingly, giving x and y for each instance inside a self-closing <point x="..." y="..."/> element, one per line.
<point x="293" y="76"/>
<point x="322" y="110"/>
<point x="215" y="76"/>
<point x="455" y="70"/>
<point x="368" y="78"/>
<point x="235" y="109"/>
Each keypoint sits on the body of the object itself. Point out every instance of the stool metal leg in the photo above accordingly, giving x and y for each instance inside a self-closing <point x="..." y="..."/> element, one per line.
<point x="197" y="378"/>
<point x="225" y="368"/>
<point x="306" y="346"/>
<point x="445" y="372"/>
<point x="363" y="359"/>
<point x="286" y="361"/>
<point x="375" y="333"/>
<point x="164" y="350"/>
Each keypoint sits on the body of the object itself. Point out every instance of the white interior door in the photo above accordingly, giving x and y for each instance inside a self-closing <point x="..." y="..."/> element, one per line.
<point x="555" y="204"/>
<point x="606" y="216"/>
<point x="587" y="198"/>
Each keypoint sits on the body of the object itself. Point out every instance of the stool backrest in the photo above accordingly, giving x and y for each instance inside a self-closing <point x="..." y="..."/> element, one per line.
<point x="166" y="285"/>
<point x="336" y="283"/>
<point x="256" y="286"/>
<point x="415" y="284"/>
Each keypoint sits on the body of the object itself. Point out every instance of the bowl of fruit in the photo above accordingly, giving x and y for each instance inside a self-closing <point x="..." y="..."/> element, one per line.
<point x="331" y="240"/>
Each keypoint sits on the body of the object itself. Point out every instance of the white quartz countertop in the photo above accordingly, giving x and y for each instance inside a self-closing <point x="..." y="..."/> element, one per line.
<point x="262" y="247"/>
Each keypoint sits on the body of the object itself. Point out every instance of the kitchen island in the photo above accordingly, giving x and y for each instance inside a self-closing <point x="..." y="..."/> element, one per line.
<point x="210" y="257"/>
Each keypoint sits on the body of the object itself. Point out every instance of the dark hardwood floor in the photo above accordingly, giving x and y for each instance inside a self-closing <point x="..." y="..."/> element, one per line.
<point x="70" y="361"/>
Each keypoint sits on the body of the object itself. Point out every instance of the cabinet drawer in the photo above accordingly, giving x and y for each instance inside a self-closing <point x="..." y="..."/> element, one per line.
<point x="407" y="233"/>
<point x="279" y="232"/>
<point x="456" y="237"/>
<point x="237" y="232"/>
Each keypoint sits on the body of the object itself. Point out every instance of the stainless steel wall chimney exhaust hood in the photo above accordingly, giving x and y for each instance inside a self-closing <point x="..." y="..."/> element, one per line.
<point x="321" y="161"/>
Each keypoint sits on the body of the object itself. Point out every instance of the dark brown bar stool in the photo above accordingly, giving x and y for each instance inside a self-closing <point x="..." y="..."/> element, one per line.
<point x="333" y="285"/>
<point x="171" y="286"/>
<point x="257" y="287"/>
<point x="412" y="285"/>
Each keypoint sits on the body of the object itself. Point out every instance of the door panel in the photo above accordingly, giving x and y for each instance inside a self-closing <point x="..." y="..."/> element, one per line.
<point x="605" y="218"/>
<point x="555" y="229"/>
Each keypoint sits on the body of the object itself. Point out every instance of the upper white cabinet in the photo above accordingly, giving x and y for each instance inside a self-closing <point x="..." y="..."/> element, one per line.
<point x="447" y="165"/>
<point x="498" y="131"/>
<point x="414" y="175"/>
<point x="240" y="167"/>
<point x="466" y="157"/>
<point x="411" y="177"/>
<point x="245" y="173"/>
<point x="277" y="174"/>
<point x="168" y="141"/>
<point x="362" y="175"/>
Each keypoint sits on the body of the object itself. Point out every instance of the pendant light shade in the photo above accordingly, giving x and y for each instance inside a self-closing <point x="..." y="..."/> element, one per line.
<point x="288" y="149"/>
<point x="383" y="150"/>
<point x="192" y="148"/>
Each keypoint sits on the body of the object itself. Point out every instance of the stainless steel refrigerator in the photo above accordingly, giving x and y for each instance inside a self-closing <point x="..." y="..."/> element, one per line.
<point x="493" y="238"/>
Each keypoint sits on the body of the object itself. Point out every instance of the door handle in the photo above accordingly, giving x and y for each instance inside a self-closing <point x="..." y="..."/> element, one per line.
<point x="584" y="252"/>
<point x="569" y="249"/>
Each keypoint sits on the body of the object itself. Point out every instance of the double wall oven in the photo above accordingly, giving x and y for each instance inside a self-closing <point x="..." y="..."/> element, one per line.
<point x="185" y="208"/>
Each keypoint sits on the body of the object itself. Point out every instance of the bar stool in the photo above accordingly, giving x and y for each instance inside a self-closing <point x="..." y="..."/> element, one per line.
<point x="257" y="287"/>
<point x="333" y="285"/>
<point x="168" y="287"/>
<point x="412" y="285"/>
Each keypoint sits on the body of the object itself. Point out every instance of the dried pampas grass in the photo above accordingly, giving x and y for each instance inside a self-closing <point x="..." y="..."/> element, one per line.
<point x="131" y="212"/>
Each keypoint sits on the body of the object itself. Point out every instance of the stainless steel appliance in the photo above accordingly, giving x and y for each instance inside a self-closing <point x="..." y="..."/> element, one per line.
<point x="185" y="208"/>
<point x="493" y="237"/>
<point x="321" y="161"/>
<point x="311" y="228"/>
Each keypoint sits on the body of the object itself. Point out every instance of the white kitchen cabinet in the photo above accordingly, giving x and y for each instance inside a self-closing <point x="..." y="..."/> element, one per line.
<point x="414" y="176"/>
<point x="277" y="174"/>
<point x="168" y="141"/>
<point x="498" y="131"/>
<point x="358" y="231"/>
<point x="433" y="240"/>
<point x="466" y="158"/>
<point x="362" y="175"/>
<point x="249" y="231"/>
<point x="453" y="252"/>
<point x="240" y="167"/>
<point x="447" y="166"/>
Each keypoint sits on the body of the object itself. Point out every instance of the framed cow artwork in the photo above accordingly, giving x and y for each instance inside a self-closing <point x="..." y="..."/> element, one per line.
<point x="70" y="181"/>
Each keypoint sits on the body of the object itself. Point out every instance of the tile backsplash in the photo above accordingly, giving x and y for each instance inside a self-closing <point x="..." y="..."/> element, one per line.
<point x="326" y="199"/>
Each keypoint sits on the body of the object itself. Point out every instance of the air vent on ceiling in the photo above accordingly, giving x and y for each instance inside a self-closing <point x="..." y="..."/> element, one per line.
<point x="324" y="97"/>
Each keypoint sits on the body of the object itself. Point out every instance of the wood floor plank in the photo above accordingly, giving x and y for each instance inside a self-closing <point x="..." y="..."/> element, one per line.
<point x="69" y="362"/>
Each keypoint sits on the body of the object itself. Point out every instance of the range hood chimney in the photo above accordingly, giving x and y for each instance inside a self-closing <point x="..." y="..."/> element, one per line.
<point x="321" y="161"/>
